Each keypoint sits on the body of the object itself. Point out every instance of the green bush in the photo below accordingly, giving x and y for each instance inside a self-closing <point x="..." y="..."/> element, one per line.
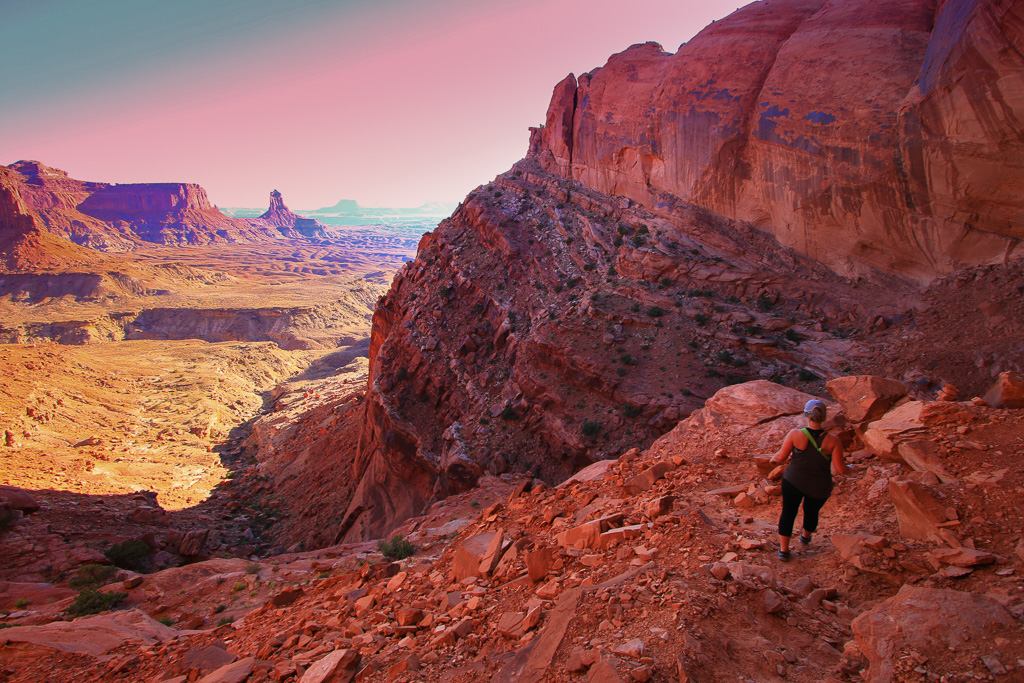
<point x="166" y="621"/>
<point x="590" y="428"/>
<point x="637" y="240"/>
<point x="396" y="548"/>
<point x="93" y="575"/>
<point x="630" y="410"/>
<point x="700" y="319"/>
<point x="132" y="555"/>
<point x="806" y="376"/>
<point x="655" y="311"/>
<point x="21" y="603"/>
<point x="621" y="372"/>
<point x="635" y="308"/>
<point x="617" y="241"/>
<point x="93" y="601"/>
<point x="508" y="413"/>
<point x="724" y="357"/>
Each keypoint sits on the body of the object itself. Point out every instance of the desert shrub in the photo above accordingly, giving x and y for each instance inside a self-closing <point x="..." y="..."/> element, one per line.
<point x="401" y="374"/>
<point x="655" y="311"/>
<point x="252" y="568"/>
<point x="617" y="241"/>
<point x="508" y="413"/>
<point x="635" y="308"/>
<point x="621" y="372"/>
<point x="21" y="603"/>
<point x="630" y="410"/>
<point x="623" y="229"/>
<point x="806" y="376"/>
<point x="589" y="266"/>
<point x="219" y="608"/>
<point x="238" y="586"/>
<point x="637" y="240"/>
<point x="764" y="303"/>
<point x="132" y="555"/>
<point x="724" y="357"/>
<point x="792" y="336"/>
<point x="700" y="292"/>
<point x="93" y="575"/>
<point x="396" y="547"/>
<point x="224" y="621"/>
<point x="628" y="359"/>
<point x="166" y="621"/>
<point x="700" y="319"/>
<point x="694" y="344"/>
<point x="666" y="282"/>
<point x="643" y="230"/>
<point x="93" y="601"/>
<point x="590" y="428"/>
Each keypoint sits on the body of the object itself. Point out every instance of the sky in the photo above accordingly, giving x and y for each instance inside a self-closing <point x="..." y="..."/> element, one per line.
<point x="388" y="102"/>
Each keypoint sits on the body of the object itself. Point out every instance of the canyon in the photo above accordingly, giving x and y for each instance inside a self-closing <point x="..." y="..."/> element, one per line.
<point x="562" y="395"/>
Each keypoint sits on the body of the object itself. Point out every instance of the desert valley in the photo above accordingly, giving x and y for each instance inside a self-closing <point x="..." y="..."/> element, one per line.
<point x="528" y="439"/>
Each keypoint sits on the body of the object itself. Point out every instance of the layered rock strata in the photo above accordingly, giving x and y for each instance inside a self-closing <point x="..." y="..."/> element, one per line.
<point x="867" y="135"/>
<point x="115" y="217"/>
<point x="544" y="326"/>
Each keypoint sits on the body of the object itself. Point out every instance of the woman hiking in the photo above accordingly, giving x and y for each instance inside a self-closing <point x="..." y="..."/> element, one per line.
<point x="808" y="478"/>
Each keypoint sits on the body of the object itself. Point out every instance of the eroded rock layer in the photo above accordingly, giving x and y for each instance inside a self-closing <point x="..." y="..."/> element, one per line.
<point x="116" y="217"/>
<point x="545" y="325"/>
<point x="866" y="134"/>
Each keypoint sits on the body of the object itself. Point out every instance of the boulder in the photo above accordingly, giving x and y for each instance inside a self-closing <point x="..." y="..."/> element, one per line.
<point x="903" y="423"/>
<point x="1007" y="392"/>
<point x="864" y="397"/>
<point x="94" y="635"/>
<point x="237" y="672"/>
<point x="737" y="408"/>
<point x="922" y="455"/>
<point x="193" y="542"/>
<point x="646" y="479"/>
<point x="18" y="499"/>
<point x="339" y="666"/>
<point x="925" y="620"/>
<point x="921" y="516"/>
<point x="470" y="554"/>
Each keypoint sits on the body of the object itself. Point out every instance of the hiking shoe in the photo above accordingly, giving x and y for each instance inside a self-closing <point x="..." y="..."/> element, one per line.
<point x="805" y="540"/>
<point x="784" y="555"/>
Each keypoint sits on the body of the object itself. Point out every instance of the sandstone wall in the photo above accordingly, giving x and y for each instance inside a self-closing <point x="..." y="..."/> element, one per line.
<point x="871" y="135"/>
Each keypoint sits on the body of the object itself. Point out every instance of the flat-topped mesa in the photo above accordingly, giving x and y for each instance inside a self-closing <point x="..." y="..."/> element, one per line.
<point x="283" y="218"/>
<point x="115" y="217"/>
<point x="867" y="134"/>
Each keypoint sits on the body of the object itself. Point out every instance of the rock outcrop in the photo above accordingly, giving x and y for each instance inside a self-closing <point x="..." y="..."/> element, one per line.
<point x="867" y="135"/>
<point x="545" y="326"/>
<point x="289" y="223"/>
<point x="115" y="217"/>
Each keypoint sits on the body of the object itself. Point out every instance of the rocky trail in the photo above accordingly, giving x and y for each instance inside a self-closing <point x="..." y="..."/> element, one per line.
<point x="659" y="565"/>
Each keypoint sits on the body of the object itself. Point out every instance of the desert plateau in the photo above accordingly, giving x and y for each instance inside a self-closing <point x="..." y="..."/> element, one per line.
<point x="535" y="435"/>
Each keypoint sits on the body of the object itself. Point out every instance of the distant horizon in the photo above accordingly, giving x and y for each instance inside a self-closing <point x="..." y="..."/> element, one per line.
<point x="397" y="102"/>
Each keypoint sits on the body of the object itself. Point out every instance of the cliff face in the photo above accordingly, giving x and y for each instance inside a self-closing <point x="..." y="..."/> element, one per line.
<point x="688" y="221"/>
<point x="23" y="241"/>
<point x="545" y="326"/>
<point x="866" y="134"/>
<point x="115" y="217"/>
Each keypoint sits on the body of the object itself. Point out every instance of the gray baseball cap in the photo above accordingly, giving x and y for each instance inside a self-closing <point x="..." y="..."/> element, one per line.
<point x="815" y="408"/>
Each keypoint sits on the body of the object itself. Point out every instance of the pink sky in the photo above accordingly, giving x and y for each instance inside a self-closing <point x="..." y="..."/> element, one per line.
<point x="392" y="104"/>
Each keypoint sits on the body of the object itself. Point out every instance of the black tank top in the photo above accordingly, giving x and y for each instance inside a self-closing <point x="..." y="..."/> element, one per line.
<point x="809" y="470"/>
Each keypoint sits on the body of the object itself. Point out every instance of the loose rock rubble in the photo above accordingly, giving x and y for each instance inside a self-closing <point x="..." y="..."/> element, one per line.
<point x="639" y="569"/>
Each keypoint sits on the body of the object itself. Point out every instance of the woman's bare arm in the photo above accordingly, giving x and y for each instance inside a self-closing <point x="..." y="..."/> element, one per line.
<point x="838" y="462"/>
<point x="786" y="450"/>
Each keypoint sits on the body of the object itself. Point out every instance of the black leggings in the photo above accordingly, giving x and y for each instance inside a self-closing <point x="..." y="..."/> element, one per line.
<point x="791" y="497"/>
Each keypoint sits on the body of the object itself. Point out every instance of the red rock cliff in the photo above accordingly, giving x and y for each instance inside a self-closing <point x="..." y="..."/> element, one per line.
<point x="666" y="237"/>
<point x="114" y="217"/>
<point x="868" y="134"/>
